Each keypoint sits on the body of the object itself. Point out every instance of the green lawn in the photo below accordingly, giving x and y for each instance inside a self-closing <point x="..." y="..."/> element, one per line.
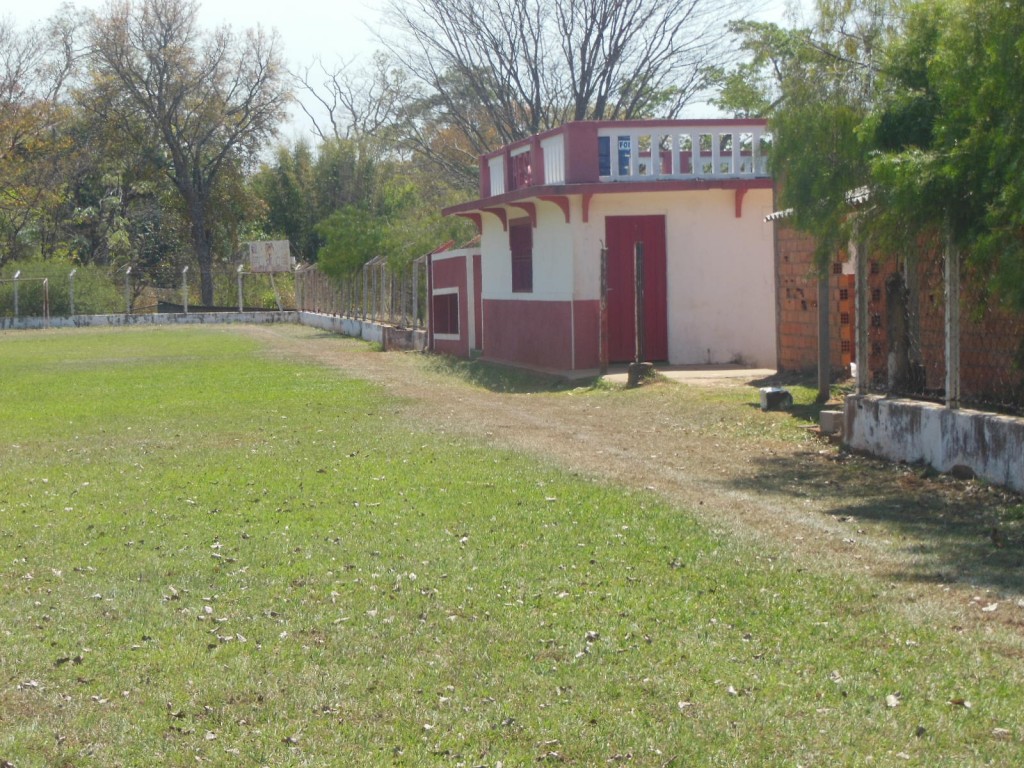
<point x="212" y="557"/>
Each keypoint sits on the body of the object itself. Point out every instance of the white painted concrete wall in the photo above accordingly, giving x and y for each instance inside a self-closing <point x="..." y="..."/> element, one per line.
<point x="495" y="260"/>
<point x="721" y="271"/>
<point x="552" y="257"/>
<point x="154" y="318"/>
<point x="906" y="430"/>
<point x="721" y="297"/>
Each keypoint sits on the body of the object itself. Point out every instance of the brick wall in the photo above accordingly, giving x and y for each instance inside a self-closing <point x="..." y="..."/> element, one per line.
<point x="797" y="305"/>
<point x="992" y="336"/>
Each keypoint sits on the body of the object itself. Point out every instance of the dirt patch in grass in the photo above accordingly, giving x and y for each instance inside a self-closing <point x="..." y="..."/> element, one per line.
<point x="930" y="541"/>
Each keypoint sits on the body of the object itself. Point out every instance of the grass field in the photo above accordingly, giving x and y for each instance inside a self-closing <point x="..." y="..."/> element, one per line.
<point x="209" y="556"/>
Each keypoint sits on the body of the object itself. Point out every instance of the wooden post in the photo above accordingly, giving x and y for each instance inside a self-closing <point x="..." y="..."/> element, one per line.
<point x="603" y="318"/>
<point x="639" y="370"/>
<point x="952" y="322"/>
<point x="638" y="304"/>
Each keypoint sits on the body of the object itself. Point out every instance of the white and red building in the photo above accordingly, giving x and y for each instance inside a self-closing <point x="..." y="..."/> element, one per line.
<point x="695" y="193"/>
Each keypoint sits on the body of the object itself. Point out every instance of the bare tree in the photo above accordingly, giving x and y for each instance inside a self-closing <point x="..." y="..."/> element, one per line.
<point x="353" y="103"/>
<point x="529" y="65"/>
<point x="211" y="99"/>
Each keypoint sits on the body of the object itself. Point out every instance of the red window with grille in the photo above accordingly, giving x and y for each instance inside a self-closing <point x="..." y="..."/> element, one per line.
<point x="520" y="240"/>
<point x="445" y="313"/>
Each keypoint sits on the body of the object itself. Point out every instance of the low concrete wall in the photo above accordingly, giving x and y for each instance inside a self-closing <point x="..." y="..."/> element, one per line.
<point x="385" y="335"/>
<point x="908" y="430"/>
<point x="157" y="318"/>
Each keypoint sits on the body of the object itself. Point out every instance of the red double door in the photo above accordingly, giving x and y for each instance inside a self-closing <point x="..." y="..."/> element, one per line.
<point x="622" y="233"/>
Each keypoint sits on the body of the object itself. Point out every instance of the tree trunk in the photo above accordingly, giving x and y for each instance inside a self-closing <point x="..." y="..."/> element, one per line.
<point x="202" y="245"/>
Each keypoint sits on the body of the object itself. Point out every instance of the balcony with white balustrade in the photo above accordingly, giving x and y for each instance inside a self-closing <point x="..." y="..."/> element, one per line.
<point x="601" y="157"/>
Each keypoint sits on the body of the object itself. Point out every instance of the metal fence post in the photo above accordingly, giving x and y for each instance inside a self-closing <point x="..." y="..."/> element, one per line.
<point x="415" y="294"/>
<point x="824" y="343"/>
<point x="184" y="288"/>
<point x="240" y="302"/>
<point x="952" y="279"/>
<point x="16" y="276"/>
<point x="71" y="292"/>
<point x="861" y="295"/>
<point x="128" y="291"/>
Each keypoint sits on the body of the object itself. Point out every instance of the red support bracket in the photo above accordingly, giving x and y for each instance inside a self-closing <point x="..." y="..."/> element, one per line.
<point x="561" y="201"/>
<point x="476" y="218"/>
<point x="587" y="196"/>
<point x="530" y="209"/>
<point x="501" y="214"/>
<point x="740" y="194"/>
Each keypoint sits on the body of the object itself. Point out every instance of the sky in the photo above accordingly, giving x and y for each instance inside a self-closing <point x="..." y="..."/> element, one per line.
<point x="337" y="31"/>
<point x="332" y="29"/>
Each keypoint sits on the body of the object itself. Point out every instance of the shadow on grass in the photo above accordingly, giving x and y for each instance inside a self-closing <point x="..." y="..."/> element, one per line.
<point x="948" y="531"/>
<point x="500" y="378"/>
<point x="807" y="407"/>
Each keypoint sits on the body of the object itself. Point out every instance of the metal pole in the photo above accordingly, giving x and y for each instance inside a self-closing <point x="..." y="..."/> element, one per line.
<point x="128" y="291"/>
<point x="277" y="296"/>
<point x="416" y="294"/>
<point x="16" y="276"/>
<point x="365" y="298"/>
<point x="46" y="302"/>
<point x="861" y="306"/>
<point x="240" y="304"/>
<point x="952" y="322"/>
<point x="824" y="352"/>
<point x="184" y="288"/>
<point x="71" y="291"/>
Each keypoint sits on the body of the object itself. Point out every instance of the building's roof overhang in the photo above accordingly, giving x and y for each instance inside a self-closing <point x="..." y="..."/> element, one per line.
<point x="527" y="198"/>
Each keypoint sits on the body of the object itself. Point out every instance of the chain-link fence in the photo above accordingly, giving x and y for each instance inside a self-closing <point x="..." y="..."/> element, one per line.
<point x="919" y="347"/>
<point x="376" y="292"/>
<point x="235" y="289"/>
<point x="43" y="289"/>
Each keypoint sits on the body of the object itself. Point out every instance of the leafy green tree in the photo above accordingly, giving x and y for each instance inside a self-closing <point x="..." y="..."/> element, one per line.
<point x="949" y="134"/>
<point x="396" y="223"/>
<point x="817" y="86"/>
<point x="212" y="99"/>
<point x="346" y="204"/>
<point x="301" y="188"/>
<point x="286" y="190"/>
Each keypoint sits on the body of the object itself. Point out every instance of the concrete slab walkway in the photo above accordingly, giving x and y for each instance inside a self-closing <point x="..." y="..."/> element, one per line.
<point x="698" y="374"/>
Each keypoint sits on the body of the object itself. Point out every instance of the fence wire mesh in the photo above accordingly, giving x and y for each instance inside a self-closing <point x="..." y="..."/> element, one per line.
<point x="907" y="336"/>
<point x="376" y="292"/>
<point x="46" y="290"/>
